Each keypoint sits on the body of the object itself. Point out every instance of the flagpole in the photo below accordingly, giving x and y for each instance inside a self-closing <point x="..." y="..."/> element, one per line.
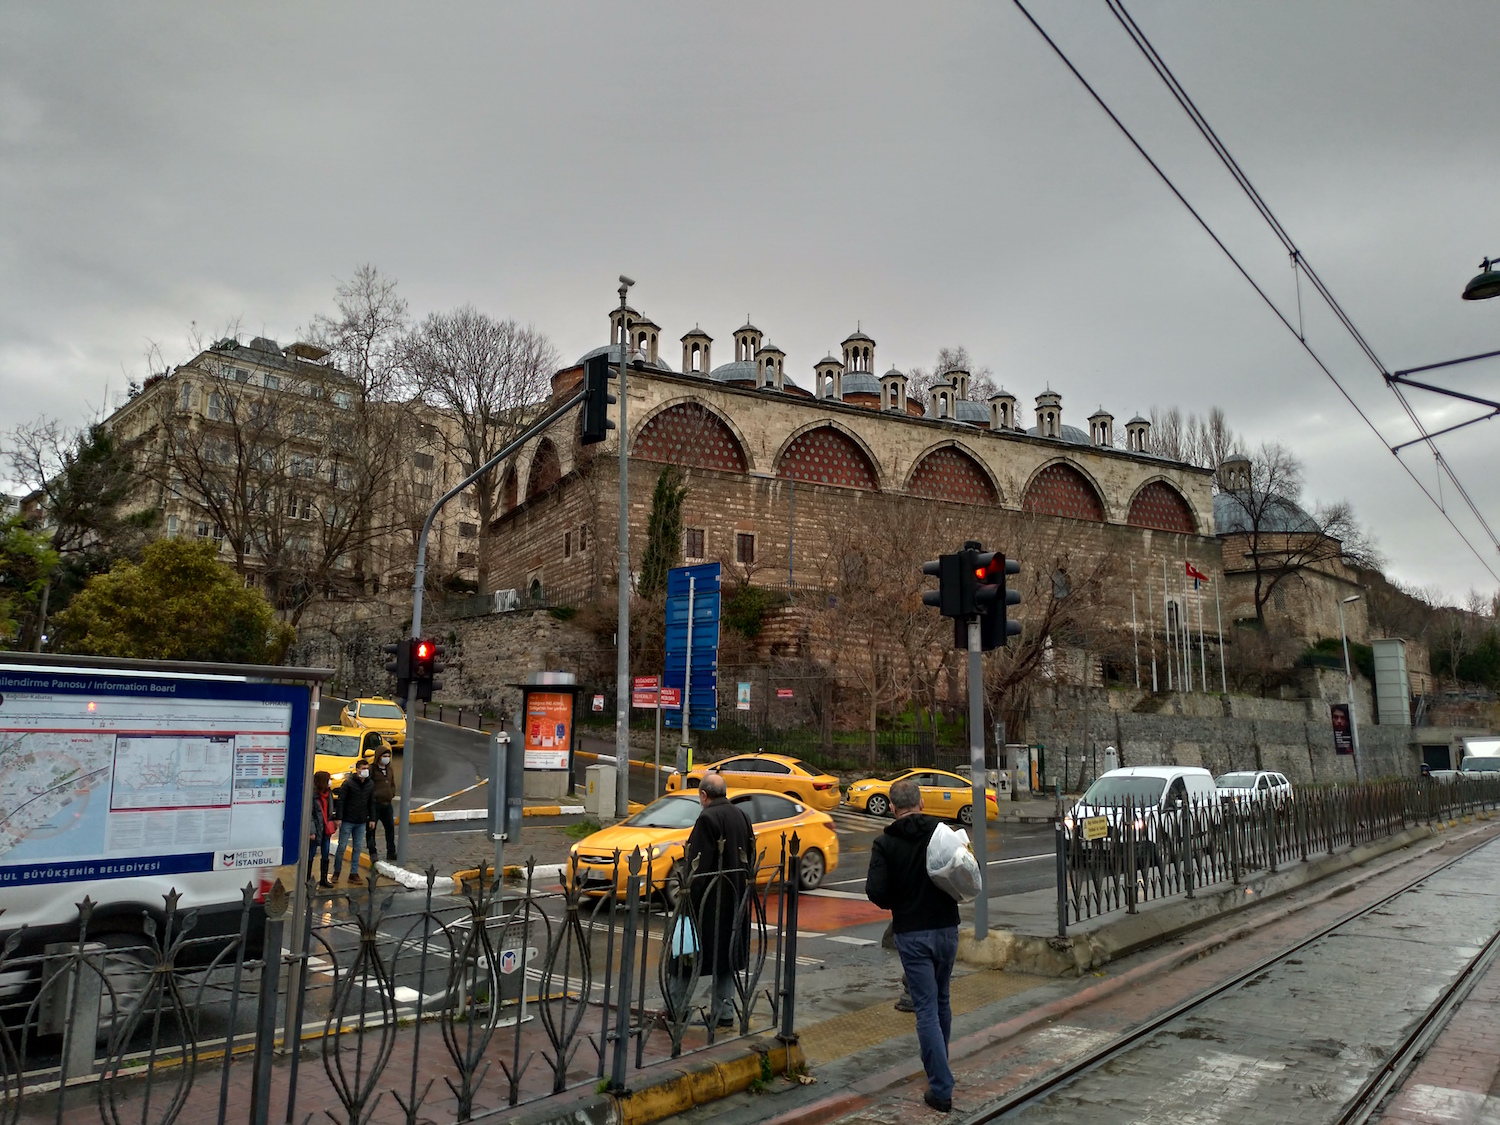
<point x="1135" y="633"/>
<point x="1186" y="635"/>
<point x="1166" y="616"/>
<point x="1151" y="631"/>
<point x="1219" y="617"/>
<point x="1202" y="658"/>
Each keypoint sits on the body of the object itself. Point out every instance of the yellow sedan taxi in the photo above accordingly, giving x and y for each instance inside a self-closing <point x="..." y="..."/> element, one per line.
<point x="944" y="794"/>
<point x="662" y="828"/>
<point x="795" y="778"/>
<point x="377" y="714"/>
<point x="337" y="748"/>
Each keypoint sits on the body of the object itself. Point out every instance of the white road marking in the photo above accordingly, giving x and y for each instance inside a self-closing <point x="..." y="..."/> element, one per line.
<point x="835" y="894"/>
<point x="852" y="940"/>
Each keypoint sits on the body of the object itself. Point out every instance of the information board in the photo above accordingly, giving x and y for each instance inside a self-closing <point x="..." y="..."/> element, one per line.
<point x="106" y="776"/>
<point x="549" y="726"/>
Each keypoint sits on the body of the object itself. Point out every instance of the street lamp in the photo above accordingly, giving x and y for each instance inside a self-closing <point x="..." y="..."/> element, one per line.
<point x="1349" y="687"/>
<point x="1487" y="284"/>
<point x="622" y="625"/>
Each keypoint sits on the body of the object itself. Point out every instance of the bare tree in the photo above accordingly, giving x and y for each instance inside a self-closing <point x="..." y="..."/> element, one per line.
<point x="487" y="375"/>
<point x="919" y="380"/>
<point x="1206" y="442"/>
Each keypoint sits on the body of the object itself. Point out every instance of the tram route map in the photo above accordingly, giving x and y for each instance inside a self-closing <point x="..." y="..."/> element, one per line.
<point x="45" y="776"/>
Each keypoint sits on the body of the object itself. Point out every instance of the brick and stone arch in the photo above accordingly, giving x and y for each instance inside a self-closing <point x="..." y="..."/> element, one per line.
<point x="1061" y="490"/>
<point x="951" y="474"/>
<point x="1160" y="506"/>
<point x="824" y="455"/>
<point x="692" y="436"/>
<point x="546" y="469"/>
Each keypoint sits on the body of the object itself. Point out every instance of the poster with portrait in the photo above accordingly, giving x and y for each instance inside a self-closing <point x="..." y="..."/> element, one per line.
<point x="1343" y="729"/>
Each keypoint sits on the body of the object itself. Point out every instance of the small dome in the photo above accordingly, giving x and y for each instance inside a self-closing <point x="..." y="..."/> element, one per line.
<point x="740" y="371"/>
<point x="858" y="336"/>
<point x="614" y="357"/>
<point x="1138" y="421"/>
<point x="860" y="383"/>
<point x="1279" y="516"/>
<point x="1069" y="434"/>
<point x="969" y="411"/>
<point x="833" y="359"/>
<point x="895" y="373"/>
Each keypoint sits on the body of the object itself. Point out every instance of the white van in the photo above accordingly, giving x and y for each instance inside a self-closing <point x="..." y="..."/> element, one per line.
<point x="1151" y="791"/>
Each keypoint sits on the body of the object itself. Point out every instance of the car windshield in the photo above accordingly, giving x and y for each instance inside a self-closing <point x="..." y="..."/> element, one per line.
<point x="344" y="745"/>
<point x="1235" y="781"/>
<point x="1113" y="792"/>
<point x="1481" y="765"/>
<point x="669" y="812"/>
<point x="380" y="711"/>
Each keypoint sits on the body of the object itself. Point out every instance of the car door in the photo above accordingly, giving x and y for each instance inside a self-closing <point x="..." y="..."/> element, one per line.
<point x="775" y="819"/>
<point x="1262" y="787"/>
<point x="775" y="775"/>
<point x="946" y="794"/>
<point x="741" y="773"/>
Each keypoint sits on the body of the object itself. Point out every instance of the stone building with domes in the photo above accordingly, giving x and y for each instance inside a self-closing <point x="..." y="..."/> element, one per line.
<point x="777" y="453"/>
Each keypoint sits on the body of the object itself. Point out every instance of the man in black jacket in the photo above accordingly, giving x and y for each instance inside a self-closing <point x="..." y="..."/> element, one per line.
<point x="925" y="919"/>
<point x="723" y="845"/>
<point x="356" y="811"/>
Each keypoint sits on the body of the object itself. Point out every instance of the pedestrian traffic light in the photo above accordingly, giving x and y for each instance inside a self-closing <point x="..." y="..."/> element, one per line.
<point x="597" y="399"/>
<point x="426" y="662"/>
<point x="399" y="666"/>
<point x="992" y="598"/>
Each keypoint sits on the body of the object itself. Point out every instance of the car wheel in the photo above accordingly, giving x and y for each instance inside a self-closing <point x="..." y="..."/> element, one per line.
<point x="878" y="806"/>
<point x="671" y="890"/>
<point x="966" y="815"/>
<point x="813" y="868"/>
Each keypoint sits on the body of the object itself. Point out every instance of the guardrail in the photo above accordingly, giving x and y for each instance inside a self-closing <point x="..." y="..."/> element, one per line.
<point x="496" y="996"/>
<point x="1136" y="853"/>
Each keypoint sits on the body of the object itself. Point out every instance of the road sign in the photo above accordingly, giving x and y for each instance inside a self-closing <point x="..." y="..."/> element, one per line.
<point x="671" y="697"/>
<point x="700" y="586"/>
<point x="783" y="693"/>
<point x="643" y="692"/>
<point x="1095" y="827"/>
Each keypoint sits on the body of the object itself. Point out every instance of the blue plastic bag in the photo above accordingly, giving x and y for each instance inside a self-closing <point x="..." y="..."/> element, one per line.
<point x="684" y="941"/>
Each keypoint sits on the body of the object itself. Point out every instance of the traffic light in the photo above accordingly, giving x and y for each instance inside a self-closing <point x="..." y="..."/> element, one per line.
<point x="954" y="596"/>
<point x="399" y="666"/>
<point x="995" y="628"/>
<point x="426" y="662"/>
<point x="596" y="423"/>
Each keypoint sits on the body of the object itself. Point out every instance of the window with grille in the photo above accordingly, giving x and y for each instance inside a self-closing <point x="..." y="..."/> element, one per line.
<point x="271" y="381"/>
<point x="468" y="558"/>
<point x="693" y="543"/>
<point x="567" y="544"/>
<point x="468" y="530"/>
<point x="422" y="460"/>
<point x="744" y="548"/>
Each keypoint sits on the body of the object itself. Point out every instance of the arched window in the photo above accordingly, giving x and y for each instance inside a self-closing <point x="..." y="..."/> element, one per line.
<point x="1061" y="490"/>
<point x="1162" y="507"/>
<point x="828" y="456"/>
<point x="546" y="469"/>
<point x="951" y="474"/>
<point x="692" y="436"/>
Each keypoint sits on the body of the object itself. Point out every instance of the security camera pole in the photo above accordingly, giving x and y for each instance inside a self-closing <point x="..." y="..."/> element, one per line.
<point x="622" y="627"/>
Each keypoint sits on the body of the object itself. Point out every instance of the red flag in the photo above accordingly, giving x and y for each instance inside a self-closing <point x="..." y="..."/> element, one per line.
<point x="1194" y="572"/>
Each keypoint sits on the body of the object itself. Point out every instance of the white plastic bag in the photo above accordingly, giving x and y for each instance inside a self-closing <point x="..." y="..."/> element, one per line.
<point x="950" y="863"/>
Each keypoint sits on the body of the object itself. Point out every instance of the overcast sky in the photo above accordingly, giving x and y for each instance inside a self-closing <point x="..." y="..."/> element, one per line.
<point x="931" y="171"/>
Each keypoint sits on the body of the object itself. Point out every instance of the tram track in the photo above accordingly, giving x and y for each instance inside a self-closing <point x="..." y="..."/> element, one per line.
<point x="1372" y="1093"/>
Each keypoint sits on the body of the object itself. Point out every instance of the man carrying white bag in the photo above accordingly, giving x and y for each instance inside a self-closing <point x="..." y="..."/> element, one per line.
<point x="951" y="863"/>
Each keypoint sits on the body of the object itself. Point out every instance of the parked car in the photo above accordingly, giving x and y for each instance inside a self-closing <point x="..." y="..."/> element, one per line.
<point x="944" y="794"/>
<point x="377" y="714"/>
<point x="1476" y="764"/>
<point x="662" y="828"/>
<point x="791" y="776"/>
<point x="1152" y="792"/>
<point x="1253" y="786"/>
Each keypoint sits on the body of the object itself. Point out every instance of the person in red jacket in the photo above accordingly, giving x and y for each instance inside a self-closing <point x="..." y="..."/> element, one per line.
<point x="323" y="827"/>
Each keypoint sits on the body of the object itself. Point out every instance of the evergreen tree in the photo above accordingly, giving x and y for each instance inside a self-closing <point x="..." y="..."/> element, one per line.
<point x="663" y="532"/>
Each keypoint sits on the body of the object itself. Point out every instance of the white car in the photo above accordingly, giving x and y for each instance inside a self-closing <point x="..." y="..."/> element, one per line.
<point x="1153" y="792"/>
<point x="1254" y="786"/>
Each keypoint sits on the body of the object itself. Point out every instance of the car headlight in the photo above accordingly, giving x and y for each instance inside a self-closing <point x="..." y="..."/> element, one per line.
<point x="659" y="850"/>
<point x="1068" y="822"/>
<point x="1139" y="824"/>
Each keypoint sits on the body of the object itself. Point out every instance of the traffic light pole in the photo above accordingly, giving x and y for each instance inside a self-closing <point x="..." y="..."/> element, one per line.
<point x="980" y="806"/>
<point x="622" y="623"/>
<point x="419" y="582"/>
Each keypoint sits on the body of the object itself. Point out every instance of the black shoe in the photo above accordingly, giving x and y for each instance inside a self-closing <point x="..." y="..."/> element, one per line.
<point x="325" y="884"/>
<point x="904" y="1004"/>
<point x="942" y="1105"/>
<point x="729" y="1022"/>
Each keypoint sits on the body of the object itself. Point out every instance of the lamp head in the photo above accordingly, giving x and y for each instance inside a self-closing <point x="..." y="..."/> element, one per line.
<point x="1486" y="284"/>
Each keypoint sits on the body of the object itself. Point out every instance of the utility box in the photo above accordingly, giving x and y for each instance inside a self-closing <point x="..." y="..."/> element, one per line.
<point x="599" y="799"/>
<point x="1392" y="682"/>
<point x="1018" y="765"/>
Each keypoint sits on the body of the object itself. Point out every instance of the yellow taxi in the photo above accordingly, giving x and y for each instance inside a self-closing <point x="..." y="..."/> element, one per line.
<point x="662" y="828"/>
<point x="337" y="748"/>
<point x="944" y="794"/>
<point x="377" y="714"/>
<point x="795" y="778"/>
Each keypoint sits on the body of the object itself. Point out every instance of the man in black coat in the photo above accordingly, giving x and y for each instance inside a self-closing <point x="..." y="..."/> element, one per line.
<point x="723" y="845"/>
<point x="356" y="805"/>
<point x="925" y="920"/>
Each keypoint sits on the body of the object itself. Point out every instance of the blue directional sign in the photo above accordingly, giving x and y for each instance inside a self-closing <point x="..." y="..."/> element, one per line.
<point x="703" y="700"/>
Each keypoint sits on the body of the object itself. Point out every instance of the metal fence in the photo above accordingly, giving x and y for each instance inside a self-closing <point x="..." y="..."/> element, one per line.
<point x="1135" y="853"/>
<point x="495" y="993"/>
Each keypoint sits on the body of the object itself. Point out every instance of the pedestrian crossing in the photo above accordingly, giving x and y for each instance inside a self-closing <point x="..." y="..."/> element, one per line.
<point x="848" y="820"/>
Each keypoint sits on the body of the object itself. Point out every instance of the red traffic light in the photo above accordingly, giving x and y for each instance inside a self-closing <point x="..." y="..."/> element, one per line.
<point x="424" y="650"/>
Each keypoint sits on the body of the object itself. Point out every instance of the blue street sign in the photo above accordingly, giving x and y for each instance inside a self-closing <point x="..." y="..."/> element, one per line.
<point x="703" y="700"/>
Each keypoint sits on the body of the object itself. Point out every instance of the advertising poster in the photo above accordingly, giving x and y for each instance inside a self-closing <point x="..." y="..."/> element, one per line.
<point x="742" y="697"/>
<point x="783" y="693"/>
<point x="1343" y="736"/>
<point x="549" y="729"/>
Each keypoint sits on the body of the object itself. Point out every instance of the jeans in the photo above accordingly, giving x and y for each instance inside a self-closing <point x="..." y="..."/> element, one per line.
<point x="927" y="956"/>
<point x="384" y="814"/>
<point x="355" y="834"/>
<point x="320" y="849"/>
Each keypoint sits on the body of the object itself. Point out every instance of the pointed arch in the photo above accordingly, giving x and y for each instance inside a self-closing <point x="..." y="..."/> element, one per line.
<point x="950" y="472"/>
<point x="1159" y="506"/>
<point x="546" y="469"/>
<point x="825" y="453"/>
<point x="693" y="435"/>
<point x="1060" y="489"/>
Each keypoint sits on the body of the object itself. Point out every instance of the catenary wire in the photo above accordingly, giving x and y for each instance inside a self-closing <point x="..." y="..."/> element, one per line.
<point x="1172" y="187"/>
<point x="1299" y="260"/>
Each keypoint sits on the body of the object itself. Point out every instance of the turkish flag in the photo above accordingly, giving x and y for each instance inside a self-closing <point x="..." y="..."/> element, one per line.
<point x="1194" y="572"/>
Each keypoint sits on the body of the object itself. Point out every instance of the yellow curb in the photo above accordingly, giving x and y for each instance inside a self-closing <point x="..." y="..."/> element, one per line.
<point x="706" y="1082"/>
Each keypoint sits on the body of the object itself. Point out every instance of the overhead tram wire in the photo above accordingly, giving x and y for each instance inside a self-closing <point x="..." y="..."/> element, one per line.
<point x="1287" y="324"/>
<point x="1299" y="260"/>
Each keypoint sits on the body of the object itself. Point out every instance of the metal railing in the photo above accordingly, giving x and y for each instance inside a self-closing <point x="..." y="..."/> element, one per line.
<point x="1135" y="853"/>
<point x="495" y="993"/>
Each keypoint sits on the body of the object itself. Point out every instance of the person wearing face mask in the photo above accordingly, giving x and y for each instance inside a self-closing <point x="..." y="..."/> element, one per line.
<point x="324" y="826"/>
<point x="385" y="796"/>
<point x="356" y="811"/>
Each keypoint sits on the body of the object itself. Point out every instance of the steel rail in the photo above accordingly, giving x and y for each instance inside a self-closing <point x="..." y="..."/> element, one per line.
<point x="1050" y="1083"/>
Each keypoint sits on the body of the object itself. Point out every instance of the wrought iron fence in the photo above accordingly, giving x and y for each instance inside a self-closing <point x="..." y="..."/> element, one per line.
<point x="1136" y="852"/>
<point x="161" y="1025"/>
